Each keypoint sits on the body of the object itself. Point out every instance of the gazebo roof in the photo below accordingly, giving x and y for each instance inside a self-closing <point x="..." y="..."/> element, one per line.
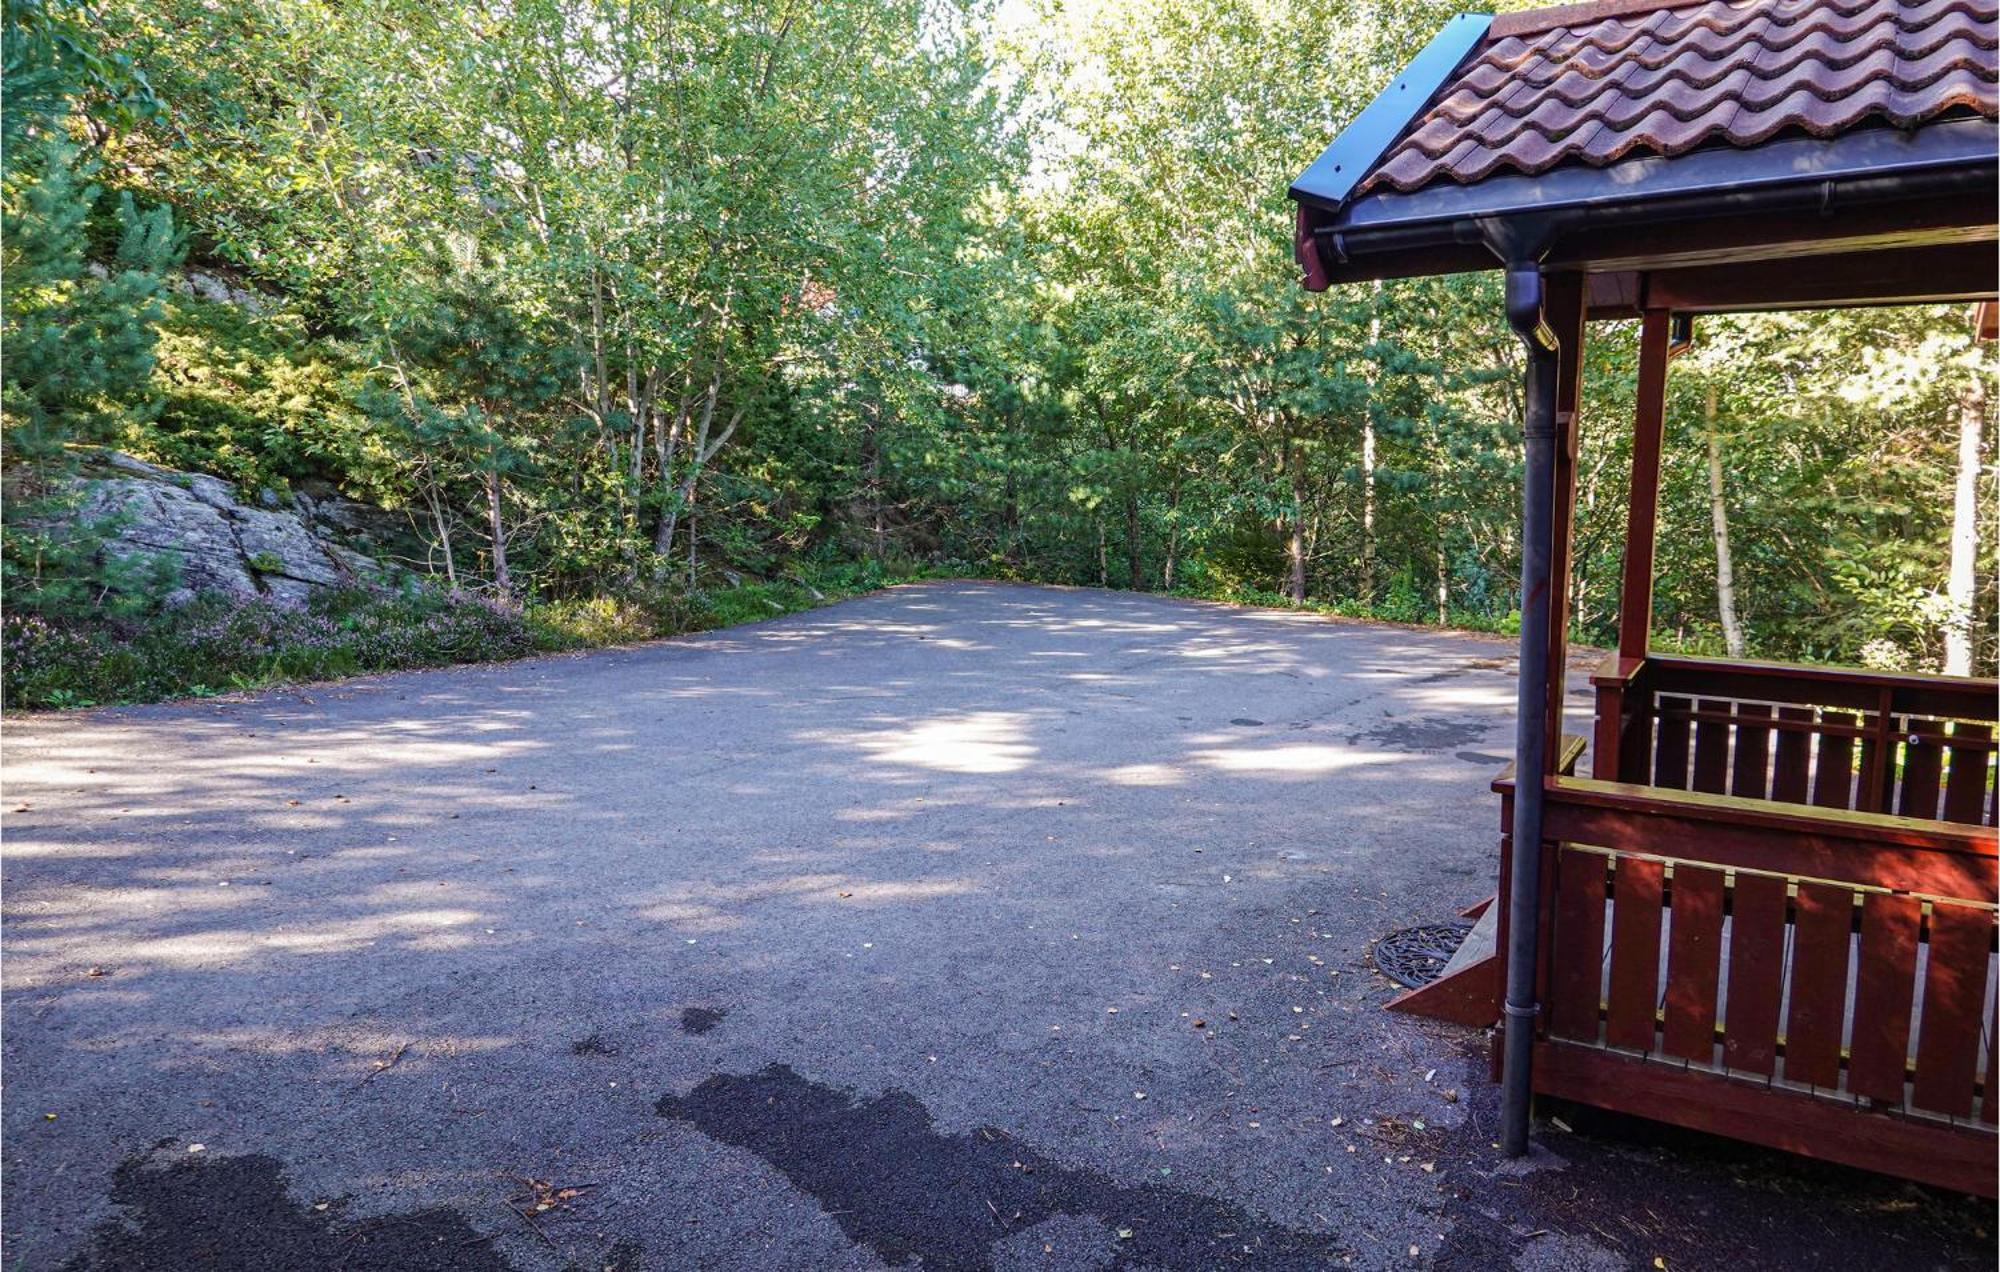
<point x="1558" y="132"/>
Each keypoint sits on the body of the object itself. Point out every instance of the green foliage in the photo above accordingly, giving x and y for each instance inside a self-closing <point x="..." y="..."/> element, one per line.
<point x="252" y="397"/>
<point x="219" y="644"/>
<point x="78" y="335"/>
<point x="655" y="318"/>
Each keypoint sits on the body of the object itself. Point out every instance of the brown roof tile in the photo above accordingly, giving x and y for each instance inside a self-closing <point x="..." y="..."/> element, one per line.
<point x="1592" y="83"/>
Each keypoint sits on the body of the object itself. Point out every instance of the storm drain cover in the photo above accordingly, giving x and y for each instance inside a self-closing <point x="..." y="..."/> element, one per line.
<point x="1416" y="956"/>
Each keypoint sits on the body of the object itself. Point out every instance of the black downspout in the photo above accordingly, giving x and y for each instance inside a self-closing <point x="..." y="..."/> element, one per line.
<point x="1538" y="480"/>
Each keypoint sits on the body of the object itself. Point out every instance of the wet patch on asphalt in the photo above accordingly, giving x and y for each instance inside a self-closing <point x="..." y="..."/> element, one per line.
<point x="1480" y="757"/>
<point x="233" y="1214"/>
<point x="699" y="1020"/>
<point x="594" y="1045"/>
<point x="895" y="1184"/>
<point x="1421" y="735"/>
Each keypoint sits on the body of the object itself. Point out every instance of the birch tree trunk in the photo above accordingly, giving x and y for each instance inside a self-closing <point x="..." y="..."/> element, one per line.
<point x="443" y="531"/>
<point x="1718" y="513"/>
<point x="1444" y="584"/>
<point x="497" y="527"/>
<point x="1368" y="461"/>
<point x="694" y="535"/>
<point x="1960" y="578"/>
<point x="1296" y="545"/>
<point x="873" y="444"/>
<point x="1132" y="540"/>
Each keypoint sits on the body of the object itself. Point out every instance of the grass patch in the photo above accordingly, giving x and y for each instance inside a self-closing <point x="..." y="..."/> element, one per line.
<point x="221" y="644"/>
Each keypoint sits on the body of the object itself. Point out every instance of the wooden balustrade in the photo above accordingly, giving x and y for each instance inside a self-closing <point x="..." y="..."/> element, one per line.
<point x="1811" y="978"/>
<point x="1918" y="746"/>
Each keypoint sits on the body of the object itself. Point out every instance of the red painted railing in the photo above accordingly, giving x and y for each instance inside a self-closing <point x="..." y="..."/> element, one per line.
<point x="1919" y="746"/>
<point x="1742" y="941"/>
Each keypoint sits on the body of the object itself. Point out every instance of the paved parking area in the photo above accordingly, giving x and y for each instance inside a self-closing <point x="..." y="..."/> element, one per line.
<point x="975" y="925"/>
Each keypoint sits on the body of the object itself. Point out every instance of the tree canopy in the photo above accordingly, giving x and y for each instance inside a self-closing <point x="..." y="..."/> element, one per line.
<point x="618" y="299"/>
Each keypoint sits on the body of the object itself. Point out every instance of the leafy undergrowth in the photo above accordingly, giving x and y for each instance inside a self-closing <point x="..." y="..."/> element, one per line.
<point x="1392" y="609"/>
<point x="218" y="645"/>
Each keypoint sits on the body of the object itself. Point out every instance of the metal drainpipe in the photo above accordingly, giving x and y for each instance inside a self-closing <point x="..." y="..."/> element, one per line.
<point x="1524" y="315"/>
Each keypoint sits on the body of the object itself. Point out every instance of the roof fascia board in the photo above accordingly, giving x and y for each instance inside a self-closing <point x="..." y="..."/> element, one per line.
<point x="1724" y="171"/>
<point x="1354" y="153"/>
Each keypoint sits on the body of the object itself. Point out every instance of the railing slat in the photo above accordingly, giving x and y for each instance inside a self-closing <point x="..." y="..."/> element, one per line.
<point x="1632" y="1010"/>
<point x="1965" y="787"/>
<point x="1756" y="973"/>
<point x="1833" y="780"/>
<point x="1711" y="751"/>
<point x="1879" y="1049"/>
<point x="1577" y="978"/>
<point x="1820" y="928"/>
<point x="1789" y="772"/>
<point x="1923" y="765"/>
<point x="1990" y="1097"/>
<point x="1954" y="1005"/>
<point x="1694" y="963"/>
<point x="1670" y="752"/>
<point x="1878" y="758"/>
<point x="1751" y="777"/>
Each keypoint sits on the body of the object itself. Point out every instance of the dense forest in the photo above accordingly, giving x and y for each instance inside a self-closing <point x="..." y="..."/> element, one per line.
<point x="647" y="316"/>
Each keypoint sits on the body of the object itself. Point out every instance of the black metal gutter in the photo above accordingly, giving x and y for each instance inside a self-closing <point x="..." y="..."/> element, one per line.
<point x="1538" y="489"/>
<point x="1953" y="158"/>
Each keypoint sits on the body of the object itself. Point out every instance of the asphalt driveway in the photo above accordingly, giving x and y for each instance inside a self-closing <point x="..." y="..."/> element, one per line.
<point x="965" y="924"/>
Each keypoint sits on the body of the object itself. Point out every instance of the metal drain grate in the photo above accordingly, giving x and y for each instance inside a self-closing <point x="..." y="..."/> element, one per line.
<point x="1417" y="955"/>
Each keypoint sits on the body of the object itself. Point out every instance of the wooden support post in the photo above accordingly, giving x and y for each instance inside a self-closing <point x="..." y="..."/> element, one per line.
<point x="1607" y="733"/>
<point x="1635" y="595"/>
<point x="1632" y="760"/>
<point x="1565" y="310"/>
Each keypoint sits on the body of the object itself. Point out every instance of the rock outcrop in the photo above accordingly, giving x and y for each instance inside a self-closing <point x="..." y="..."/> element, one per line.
<point x="219" y="543"/>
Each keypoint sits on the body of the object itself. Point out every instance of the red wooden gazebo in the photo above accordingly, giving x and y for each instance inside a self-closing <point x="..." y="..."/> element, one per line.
<point x="1769" y="910"/>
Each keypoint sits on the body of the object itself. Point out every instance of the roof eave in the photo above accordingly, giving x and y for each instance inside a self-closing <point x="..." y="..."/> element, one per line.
<point x="1443" y="228"/>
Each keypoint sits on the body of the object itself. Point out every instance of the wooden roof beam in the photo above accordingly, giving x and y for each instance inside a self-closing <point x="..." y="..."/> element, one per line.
<point x="1908" y="275"/>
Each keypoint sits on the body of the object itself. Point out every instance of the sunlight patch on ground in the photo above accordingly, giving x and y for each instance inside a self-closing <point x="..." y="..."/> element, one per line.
<point x="1305" y="759"/>
<point x="223" y="946"/>
<point x="976" y="742"/>
<point x="359" y="1051"/>
<point x="1247" y="650"/>
<point x="708" y="908"/>
<point x="1143" y="775"/>
<point x="1463" y="697"/>
<point x="220" y="776"/>
<point x="907" y="890"/>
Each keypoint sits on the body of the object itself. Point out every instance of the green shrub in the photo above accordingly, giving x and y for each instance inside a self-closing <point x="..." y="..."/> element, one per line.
<point x="590" y="621"/>
<point x="219" y="642"/>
